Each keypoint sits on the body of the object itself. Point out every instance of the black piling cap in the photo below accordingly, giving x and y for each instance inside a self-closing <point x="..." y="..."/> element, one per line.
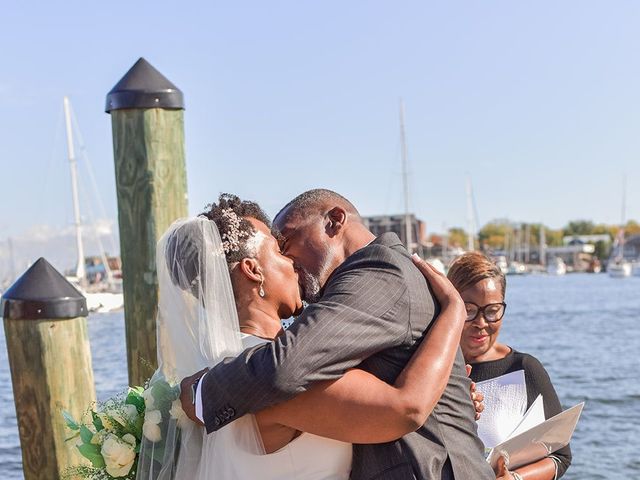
<point x="144" y="87"/>
<point x="42" y="292"/>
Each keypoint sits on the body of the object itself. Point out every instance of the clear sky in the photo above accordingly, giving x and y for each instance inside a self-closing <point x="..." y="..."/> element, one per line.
<point x="538" y="101"/>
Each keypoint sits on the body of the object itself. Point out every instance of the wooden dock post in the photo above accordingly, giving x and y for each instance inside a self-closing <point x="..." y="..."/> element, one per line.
<point x="148" y="148"/>
<point x="48" y="344"/>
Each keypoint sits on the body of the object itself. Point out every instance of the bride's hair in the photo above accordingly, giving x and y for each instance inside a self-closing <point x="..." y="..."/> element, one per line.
<point x="229" y="215"/>
<point x="185" y="245"/>
<point x="184" y="259"/>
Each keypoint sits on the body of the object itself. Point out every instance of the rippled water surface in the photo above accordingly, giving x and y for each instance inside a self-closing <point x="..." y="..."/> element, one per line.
<point x="585" y="329"/>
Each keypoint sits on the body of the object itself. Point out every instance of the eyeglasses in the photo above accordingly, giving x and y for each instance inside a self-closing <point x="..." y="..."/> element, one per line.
<point x="491" y="312"/>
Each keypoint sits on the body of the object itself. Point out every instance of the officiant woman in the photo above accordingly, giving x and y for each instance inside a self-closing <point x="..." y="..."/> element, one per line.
<point x="482" y="286"/>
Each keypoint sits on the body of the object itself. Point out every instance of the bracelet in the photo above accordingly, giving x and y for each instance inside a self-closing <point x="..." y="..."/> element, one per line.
<point x="516" y="476"/>
<point x="556" y="464"/>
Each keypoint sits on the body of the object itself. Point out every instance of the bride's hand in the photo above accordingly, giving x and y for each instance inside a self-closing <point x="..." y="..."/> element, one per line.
<point x="442" y="288"/>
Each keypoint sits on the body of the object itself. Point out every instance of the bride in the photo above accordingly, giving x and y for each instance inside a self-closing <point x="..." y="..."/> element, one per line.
<point x="224" y="286"/>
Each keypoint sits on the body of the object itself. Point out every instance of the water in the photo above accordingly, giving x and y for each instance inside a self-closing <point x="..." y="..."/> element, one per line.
<point x="585" y="329"/>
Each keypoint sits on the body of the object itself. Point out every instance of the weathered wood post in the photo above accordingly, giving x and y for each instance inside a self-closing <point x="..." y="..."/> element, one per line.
<point x="48" y="344"/>
<point x="148" y="148"/>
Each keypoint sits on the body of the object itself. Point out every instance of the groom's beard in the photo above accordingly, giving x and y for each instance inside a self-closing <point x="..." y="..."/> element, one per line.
<point x="310" y="286"/>
<point x="312" y="283"/>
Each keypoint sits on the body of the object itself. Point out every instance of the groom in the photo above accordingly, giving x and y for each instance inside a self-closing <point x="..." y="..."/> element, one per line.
<point x="369" y="308"/>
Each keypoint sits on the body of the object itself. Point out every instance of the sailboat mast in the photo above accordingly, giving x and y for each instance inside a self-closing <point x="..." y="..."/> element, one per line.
<point x="405" y="181"/>
<point x="445" y="244"/>
<point x="623" y="219"/>
<point x="470" y="217"/>
<point x="543" y="246"/>
<point x="73" y="166"/>
<point x="12" y="260"/>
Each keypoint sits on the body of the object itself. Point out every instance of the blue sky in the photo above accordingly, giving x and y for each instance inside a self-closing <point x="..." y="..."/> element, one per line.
<point x="537" y="101"/>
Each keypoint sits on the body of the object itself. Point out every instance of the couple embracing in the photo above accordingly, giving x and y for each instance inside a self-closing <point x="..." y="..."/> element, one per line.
<point x="367" y="383"/>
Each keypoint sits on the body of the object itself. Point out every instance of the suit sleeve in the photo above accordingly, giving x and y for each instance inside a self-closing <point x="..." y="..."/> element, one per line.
<point x="356" y="318"/>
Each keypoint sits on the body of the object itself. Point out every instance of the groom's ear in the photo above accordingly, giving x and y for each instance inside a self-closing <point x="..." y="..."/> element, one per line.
<point x="337" y="217"/>
<point x="251" y="269"/>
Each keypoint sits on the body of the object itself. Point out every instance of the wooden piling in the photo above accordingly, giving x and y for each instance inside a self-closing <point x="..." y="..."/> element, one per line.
<point x="148" y="147"/>
<point x="48" y="345"/>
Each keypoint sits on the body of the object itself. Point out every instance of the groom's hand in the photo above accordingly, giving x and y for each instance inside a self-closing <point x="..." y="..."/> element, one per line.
<point x="188" y="388"/>
<point x="441" y="286"/>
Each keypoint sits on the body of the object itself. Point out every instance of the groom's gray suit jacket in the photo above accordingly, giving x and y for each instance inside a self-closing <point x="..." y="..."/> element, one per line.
<point x="373" y="313"/>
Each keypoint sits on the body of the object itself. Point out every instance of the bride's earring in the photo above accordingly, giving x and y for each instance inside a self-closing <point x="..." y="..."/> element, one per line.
<point x="261" y="291"/>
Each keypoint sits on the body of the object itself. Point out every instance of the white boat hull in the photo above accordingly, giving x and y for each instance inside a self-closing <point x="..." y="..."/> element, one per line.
<point x="619" y="270"/>
<point x="104" y="302"/>
<point x="557" y="270"/>
<point x="557" y="267"/>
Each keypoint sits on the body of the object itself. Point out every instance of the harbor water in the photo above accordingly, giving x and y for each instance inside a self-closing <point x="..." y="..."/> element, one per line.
<point x="584" y="328"/>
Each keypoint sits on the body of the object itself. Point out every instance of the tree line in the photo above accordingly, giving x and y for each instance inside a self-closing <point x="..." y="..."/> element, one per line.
<point x="501" y="234"/>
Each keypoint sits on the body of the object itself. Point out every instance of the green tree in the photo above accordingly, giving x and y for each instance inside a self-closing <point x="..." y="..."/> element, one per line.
<point x="554" y="237"/>
<point x="632" y="228"/>
<point x="493" y="234"/>
<point x="457" y="237"/>
<point x="579" y="227"/>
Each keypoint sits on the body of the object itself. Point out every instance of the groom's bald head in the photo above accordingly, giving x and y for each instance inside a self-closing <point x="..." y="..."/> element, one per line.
<point x="319" y="229"/>
<point x="315" y="202"/>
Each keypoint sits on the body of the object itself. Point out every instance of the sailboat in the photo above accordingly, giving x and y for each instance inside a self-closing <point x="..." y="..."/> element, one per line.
<point x="557" y="267"/>
<point x="618" y="266"/>
<point x="102" y="296"/>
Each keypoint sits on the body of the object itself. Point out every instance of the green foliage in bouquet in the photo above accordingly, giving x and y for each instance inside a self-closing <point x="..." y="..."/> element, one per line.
<point x="111" y="435"/>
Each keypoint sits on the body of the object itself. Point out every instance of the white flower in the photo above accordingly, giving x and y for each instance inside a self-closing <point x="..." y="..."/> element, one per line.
<point x="130" y="439"/>
<point x="119" y="455"/>
<point x="231" y="238"/>
<point x="124" y="414"/>
<point x="151" y="425"/>
<point x="178" y="414"/>
<point x="149" y="401"/>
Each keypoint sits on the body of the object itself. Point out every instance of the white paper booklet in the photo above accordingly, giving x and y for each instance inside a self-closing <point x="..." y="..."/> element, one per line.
<point x="539" y="441"/>
<point x="505" y="405"/>
<point x="534" y="416"/>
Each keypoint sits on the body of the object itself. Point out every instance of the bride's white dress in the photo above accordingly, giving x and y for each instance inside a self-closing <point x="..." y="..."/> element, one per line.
<point x="307" y="457"/>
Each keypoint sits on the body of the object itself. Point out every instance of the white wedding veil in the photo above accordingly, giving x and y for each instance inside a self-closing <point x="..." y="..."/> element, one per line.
<point x="197" y="326"/>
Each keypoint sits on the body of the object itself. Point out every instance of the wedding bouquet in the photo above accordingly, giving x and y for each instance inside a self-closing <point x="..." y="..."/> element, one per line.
<point x="111" y="436"/>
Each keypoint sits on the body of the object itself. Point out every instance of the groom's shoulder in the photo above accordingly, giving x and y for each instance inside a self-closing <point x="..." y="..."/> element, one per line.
<point x="369" y="278"/>
<point x="384" y="256"/>
<point x="387" y="248"/>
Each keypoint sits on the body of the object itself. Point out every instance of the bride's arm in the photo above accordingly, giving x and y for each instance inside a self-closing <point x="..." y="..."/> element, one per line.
<point x="361" y="408"/>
